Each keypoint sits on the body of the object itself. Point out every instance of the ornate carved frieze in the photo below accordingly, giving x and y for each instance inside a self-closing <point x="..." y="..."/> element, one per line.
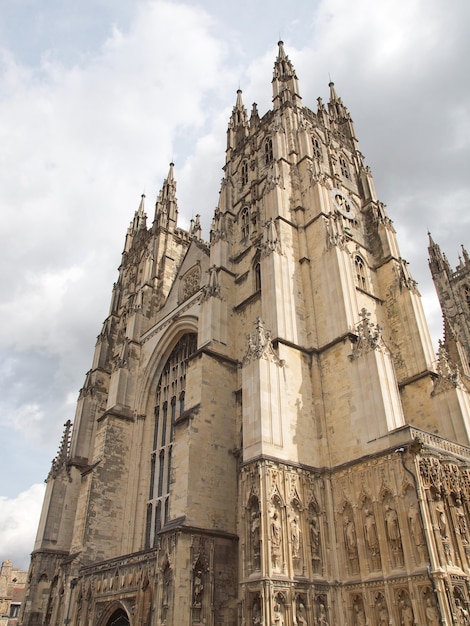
<point x="212" y="289"/>
<point x="260" y="345"/>
<point x="190" y="283"/>
<point x="270" y="240"/>
<point x="448" y="374"/>
<point x="369" y="336"/>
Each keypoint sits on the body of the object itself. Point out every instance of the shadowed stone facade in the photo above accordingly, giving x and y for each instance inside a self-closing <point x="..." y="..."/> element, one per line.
<point x="265" y="435"/>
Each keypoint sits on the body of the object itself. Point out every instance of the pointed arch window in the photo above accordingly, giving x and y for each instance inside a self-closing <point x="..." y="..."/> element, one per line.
<point x="257" y="272"/>
<point x="244" y="173"/>
<point x="466" y="294"/>
<point x="170" y="389"/>
<point x="316" y="148"/>
<point x="268" y="151"/>
<point x="344" y="167"/>
<point x="360" y="268"/>
<point x="245" y="222"/>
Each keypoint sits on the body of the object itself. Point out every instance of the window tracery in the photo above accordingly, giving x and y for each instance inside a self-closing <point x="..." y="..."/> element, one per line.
<point x="316" y="148"/>
<point x="268" y="151"/>
<point x="244" y="173"/>
<point x="360" y="268"/>
<point x="245" y="222"/>
<point x="466" y="292"/>
<point x="169" y="406"/>
<point x="344" y="167"/>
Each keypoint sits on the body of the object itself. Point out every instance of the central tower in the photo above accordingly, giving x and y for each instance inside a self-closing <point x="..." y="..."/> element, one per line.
<point x="265" y="436"/>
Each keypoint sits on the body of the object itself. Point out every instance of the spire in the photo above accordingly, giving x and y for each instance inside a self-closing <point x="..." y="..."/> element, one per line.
<point x="339" y="113"/>
<point x="60" y="460"/>
<point x="238" y="123"/>
<point x="336" y="108"/>
<point x="285" y="81"/>
<point x="437" y="261"/>
<point x="465" y="255"/>
<point x="254" y="118"/>
<point x="166" y="208"/>
<point x="140" y="217"/>
<point x="139" y="223"/>
<point x="333" y="94"/>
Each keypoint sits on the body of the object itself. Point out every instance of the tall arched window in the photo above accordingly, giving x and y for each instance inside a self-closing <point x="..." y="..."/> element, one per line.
<point x="316" y="148"/>
<point x="257" y="271"/>
<point x="268" y="151"/>
<point x="466" y="293"/>
<point x="344" y="167"/>
<point x="244" y="173"/>
<point x="360" y="268"/>
<point x="169" y="406"/>
<point x="245" y="222"/>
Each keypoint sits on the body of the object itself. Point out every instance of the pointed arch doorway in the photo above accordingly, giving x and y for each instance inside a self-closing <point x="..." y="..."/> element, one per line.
<point x="118" y="618"/>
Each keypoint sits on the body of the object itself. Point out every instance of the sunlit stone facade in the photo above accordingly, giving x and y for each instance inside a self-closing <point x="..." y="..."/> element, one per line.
<point x="265" y="435"/>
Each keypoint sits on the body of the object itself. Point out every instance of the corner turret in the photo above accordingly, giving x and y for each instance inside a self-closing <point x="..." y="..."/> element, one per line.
<point x="285" y="82"/>
<point x="166" y="208"/>
<point x="339" y="114"/>
<point x="437" y="261"/>
<point x="138" y="224"/>
<point x="238" y="124"/>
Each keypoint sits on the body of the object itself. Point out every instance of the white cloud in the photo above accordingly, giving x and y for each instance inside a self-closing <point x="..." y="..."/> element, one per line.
<point x="84" y="131"/>
<point x="19" y="519"/>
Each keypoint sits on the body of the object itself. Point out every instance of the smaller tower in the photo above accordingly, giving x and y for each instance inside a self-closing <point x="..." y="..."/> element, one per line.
<point x="453" y="291"/>
<point x="285" y="81"/>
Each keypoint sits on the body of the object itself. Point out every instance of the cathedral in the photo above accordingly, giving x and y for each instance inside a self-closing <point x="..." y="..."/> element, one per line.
<point x="265" y="435"/>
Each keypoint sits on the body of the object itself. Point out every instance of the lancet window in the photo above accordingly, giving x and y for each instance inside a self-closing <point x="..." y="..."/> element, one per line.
<point x="360" y="268"/>
<point x="245" y="222"/>
<point x="466" y="293"/>
<point x="244" y="173"/>
<point x="268" y="151"/>
<point x="169" y="406"/>
<point x="316" y="148"/>
<point x="344" y="167"/>
<point x="257" y="273"/>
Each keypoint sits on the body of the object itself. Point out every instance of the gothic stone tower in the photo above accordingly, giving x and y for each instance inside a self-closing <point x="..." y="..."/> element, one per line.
<point x="264" y="436"/>
<point x="453" y="291"/>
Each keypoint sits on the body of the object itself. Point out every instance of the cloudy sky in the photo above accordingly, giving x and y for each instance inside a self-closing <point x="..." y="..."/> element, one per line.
<point x="98" y="96"/>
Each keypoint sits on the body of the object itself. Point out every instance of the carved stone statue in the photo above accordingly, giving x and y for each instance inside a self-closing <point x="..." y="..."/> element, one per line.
<point x="278" y="615"/>
<point x="322" y="619"/>
<point x="276" y="539"/>
<point x="350" y="535"/>
<point x="255" y="537"/>
<point x="442" y="520"/>
<point x="198" y="588"/>
<point x="383" y="613"/>
<point x="314" y="528"/>
<point x="461" y="522"/>
<point x="295" y="536"/>
<point x="406" y="613"/>
<point x="370" y="528"/>
<point x="256" y="614"/>
<point x="463" y="617"/>
<point x="432" y="614"/>
<point x="359" y="614"/>
<point x="301" y="614"/>
<point x="415" y="524"/>
<point x="391" y="524"/>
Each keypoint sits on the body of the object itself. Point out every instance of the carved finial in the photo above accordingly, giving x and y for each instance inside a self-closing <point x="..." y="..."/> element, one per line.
<point x="369" y="336"/>
<point x="63" y="454"/>
<point x="259" y="344"/>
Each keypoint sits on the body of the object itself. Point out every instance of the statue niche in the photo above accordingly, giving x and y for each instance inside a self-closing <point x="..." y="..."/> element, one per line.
<point x="350" y="539"/>
<point x="315" y="538"/>
<point x="371" y="536"/>
<point x="254" y="517"/>
<point x="275" y="535"/>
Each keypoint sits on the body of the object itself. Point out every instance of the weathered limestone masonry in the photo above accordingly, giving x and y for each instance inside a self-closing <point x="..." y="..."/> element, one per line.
<point x="265" y="435"/>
